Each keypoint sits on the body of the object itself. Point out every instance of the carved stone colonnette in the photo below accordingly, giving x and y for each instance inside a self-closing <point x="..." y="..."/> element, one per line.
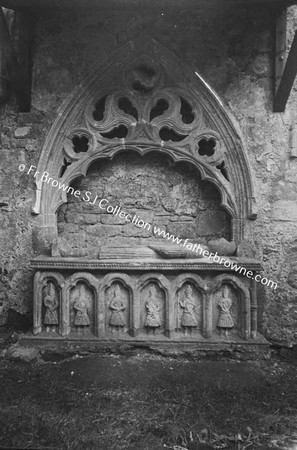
<point x="190" y="301"/>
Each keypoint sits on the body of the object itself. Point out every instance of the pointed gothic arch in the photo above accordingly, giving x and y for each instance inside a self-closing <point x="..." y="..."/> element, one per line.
<point x="144" y="98"/>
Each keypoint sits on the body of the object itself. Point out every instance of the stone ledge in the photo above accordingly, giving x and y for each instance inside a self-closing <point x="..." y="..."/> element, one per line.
<point x="147" y="264"/>
<point x="130" y="340"/>
<point x="257" y="349"/>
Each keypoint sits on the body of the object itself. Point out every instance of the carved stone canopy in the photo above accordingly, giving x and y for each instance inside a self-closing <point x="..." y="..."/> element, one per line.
<point x="144" y="98"/>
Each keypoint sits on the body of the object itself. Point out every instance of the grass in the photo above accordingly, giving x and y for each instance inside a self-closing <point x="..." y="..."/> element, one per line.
<point x="43" y="406"/>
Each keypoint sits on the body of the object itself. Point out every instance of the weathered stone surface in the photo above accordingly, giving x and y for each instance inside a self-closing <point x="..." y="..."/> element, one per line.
<point x="156" y="190"/>
<point x="292" y="278"/>
<point x="291" y="263"/>
<point x="105" y="231"/>
<point x="285" y="210"/>
<point x="261" y="65"/>
<point x="182" y="229"/>
<point x="33" y="117"/>
<point x="3" y="304"/>
<point x="213" y="224"/>
<point x="222" y="246"/>
<point x="18" y="352"/>
<point x="42" y="240"/>
<point x="109" y="219"/>
<point x="248" y="249"/>
<point x="123" y="252"/>
<point x="137" y="230"/>
<point x="22" y="132"/>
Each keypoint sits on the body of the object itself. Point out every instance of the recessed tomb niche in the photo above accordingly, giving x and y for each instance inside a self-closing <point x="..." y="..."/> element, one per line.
<point x="82" y="309"/>
<point x="166" y="154"/>
<point x="157" y="192"/>
<point x="152" y="310"/>
<point x="188" y="311"/>
<point x="117" y="310"/>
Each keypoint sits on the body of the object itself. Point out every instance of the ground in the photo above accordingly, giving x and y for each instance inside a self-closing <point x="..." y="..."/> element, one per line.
<point x="146" y="401"/>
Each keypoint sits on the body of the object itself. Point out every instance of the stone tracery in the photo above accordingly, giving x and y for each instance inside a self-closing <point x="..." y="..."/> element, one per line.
<point x="168" y="106"/>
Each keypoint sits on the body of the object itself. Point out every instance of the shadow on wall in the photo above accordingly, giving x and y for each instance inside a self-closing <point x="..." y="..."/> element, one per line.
<point x="14" y="321"/>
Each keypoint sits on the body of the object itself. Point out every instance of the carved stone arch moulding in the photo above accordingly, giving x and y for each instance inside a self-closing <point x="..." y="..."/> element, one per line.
<point x="80" y="168"/>
<point x="196" y="279"/>
<point x="242" y="298"/>
<point x="117" y="306"/>
<point x="154" y="102"/>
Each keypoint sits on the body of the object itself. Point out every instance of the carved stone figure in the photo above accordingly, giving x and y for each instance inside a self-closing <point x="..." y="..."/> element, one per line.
<point x="152" y="310"/>
<point x="188" y="318"/>
<point x="80" y="305"/>
<point x="117" y="307"/>
<point x="225" y="322"/>
<point x="51" y="304"/>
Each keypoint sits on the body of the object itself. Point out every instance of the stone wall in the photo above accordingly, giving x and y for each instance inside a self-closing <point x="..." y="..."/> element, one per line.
<point x="158" y="192"/>
<point x="233" y="51"/>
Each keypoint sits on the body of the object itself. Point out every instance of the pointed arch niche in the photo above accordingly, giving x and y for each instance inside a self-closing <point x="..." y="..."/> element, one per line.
<point x="143" y="98"/>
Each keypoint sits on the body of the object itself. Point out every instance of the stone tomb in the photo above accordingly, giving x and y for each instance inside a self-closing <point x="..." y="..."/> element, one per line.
<point x="173" y="300"/>
<point x="157" y="141"/>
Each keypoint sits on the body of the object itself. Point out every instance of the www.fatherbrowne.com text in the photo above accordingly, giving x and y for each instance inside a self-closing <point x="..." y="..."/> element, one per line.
<point x="106" y="206"/>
